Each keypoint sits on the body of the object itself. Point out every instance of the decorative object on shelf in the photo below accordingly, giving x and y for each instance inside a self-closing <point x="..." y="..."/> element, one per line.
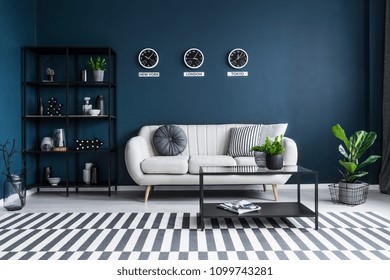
<point x="40" y="106"/>
<point x="238" y="58"/>
<point x="273" y="152"/>
<point x="87" y="176"/>
<point x="46" y="144"/>
<point x="88" y="165"/>
<point x="355" y="147"/>
<point x="84" y="75"/>
<point x="14" y="188"/>
<point x="94" y="112"/>
<point x="98" y="66"/>
<point x="95" y="174"/>
<point x="59" y="143"/>
<point x="53" y="108"/>
<point x="50" y="73"/>
<point x="148" y="58"/>
<point x="99" y="104"/>
<point x="85" y="145"/>
<point x="86" y="107"/>
<point x="54" y="181"/>
<point x="193" y="58"/>
<point x="46" y="173"/>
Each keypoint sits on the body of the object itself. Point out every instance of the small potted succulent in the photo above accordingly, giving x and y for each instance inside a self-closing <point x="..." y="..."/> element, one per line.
<point x="98" y="67"/>
<point x="14" y="185"/>
<point x="273" y="151"/>
<point x="352" y="171"/>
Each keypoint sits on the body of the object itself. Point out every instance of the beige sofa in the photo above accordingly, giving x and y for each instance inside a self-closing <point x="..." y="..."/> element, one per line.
<point x="207" y="145"/>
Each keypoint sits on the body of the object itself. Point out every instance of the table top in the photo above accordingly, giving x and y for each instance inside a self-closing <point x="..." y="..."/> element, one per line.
<point x="253" y="170"/>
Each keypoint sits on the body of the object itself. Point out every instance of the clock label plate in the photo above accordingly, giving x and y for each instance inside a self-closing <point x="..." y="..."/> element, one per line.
<point x="237" y="74"/>
<point x="193" y="74"/>
<point x="148" y="74"/>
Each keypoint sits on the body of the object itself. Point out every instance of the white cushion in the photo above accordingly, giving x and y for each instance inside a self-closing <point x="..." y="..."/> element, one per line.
<point x="271" y="130"/>
<point x="245" y="161"/>
<point x="165" y="165"/>
<point x="220" y="160"/>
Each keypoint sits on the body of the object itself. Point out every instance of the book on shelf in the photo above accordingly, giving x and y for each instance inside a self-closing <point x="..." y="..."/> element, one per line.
<point x="239" y="207"/>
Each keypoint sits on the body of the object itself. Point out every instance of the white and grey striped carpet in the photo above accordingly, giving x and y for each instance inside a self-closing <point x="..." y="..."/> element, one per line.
<point x="174" y="236"/>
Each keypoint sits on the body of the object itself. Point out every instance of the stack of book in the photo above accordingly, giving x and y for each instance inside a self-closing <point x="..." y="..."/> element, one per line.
<point x="239" y="207"/>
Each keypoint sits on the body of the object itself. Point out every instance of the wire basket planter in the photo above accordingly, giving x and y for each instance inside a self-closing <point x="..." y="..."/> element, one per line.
<point x="350" y="195"/>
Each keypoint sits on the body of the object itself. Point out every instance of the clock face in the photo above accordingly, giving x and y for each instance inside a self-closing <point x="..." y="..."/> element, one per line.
<point x="193" y="58"/>
<point x="238" y="58"/>
<point x="148" y="58"/>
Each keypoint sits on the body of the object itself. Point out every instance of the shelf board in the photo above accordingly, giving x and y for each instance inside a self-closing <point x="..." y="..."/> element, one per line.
<point x="71" y="84"/>
<point x="69" y="116"/>
<point x="62" y="184"/>
<point x="71" y="151"/>
<point x="72" y="50"/>
<point x="268" y="209"/>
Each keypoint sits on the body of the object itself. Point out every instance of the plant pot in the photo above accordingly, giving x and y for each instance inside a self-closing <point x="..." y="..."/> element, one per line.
<point x="274" y="162"/>
<point x="353" y="193"/>
<point x="98" y="75"/>
<point x="14" y="193"/>
<point x="260" y="159"/>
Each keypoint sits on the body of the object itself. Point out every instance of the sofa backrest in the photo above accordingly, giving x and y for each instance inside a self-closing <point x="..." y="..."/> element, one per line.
<point x="204" y="139"/>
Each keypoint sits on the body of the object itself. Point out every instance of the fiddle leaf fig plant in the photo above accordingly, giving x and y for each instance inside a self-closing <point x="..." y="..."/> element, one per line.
<point x="271" y="147"/>
<point x="352" y="151"/>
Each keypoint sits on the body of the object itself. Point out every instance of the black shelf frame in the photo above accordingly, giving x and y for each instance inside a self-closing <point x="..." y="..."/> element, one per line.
<point x="268" y="209"/>
<point x="71" y="121"/>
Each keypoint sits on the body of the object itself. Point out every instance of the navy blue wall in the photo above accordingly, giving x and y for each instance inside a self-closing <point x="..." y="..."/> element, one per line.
<point x="309" y="64"/>
<point x="17" y="28"/>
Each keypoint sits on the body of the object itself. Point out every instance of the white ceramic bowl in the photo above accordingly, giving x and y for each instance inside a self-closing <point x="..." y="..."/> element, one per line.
<point x="54" y="180"/>
<point x="94" y="112"/>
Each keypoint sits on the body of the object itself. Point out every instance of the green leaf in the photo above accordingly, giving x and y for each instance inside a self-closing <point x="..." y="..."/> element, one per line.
<point x="343" y="152"/>
<point x="339" y="133"/>
<point x="368" y="141"/>
<point x="354" y="177"/>
<point x="350" y="167"/>
<point x="369" y="160"/>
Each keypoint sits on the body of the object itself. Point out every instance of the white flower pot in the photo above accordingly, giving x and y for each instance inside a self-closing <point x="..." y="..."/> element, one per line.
<point x="352" y="193"/>
<point x="98" y="75"/>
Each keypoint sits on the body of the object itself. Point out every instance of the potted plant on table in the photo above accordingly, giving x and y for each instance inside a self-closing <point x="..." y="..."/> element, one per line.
<point x="14" y="185"/>
<point x="273" y="151"/>
<point x="98" y="66"/>
<point x="352" y="171"/>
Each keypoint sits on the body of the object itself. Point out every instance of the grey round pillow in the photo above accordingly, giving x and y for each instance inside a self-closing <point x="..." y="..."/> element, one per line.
<point x="169" y="140"/>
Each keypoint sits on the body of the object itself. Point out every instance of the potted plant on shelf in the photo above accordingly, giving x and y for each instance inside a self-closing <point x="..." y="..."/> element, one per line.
<point x="354" y="149"/>
<point x="14" y="185"/>
<point x="273" y="151"/>
<point x="98" y="66"/>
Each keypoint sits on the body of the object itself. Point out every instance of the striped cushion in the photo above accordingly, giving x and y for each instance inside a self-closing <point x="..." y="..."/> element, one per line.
<point x="242" y="139"/>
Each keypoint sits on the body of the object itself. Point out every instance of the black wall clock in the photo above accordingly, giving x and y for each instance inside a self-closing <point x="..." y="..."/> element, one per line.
<point x="148" y="58"/>
<point x="193" y="58"/>
<point x="238" y="58"/>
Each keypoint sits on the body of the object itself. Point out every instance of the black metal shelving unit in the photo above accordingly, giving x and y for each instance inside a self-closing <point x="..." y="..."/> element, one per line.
<point x="68" y="63"/>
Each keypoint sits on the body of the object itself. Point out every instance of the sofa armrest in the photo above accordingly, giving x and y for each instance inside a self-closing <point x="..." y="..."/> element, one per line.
<point x="290" y="155"/>
<point x="136" y="151"/>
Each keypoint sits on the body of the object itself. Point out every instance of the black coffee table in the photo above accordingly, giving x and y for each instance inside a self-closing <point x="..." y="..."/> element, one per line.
<point x="268" y="209"/>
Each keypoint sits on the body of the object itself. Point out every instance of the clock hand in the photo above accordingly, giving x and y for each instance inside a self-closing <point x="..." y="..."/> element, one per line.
<point x="195" y="55"/>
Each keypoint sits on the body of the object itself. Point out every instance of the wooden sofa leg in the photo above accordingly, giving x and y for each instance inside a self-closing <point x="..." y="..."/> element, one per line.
<point x="275" y="190"/>
<point x="265" y="187"/>
<point x="147" y="191"/>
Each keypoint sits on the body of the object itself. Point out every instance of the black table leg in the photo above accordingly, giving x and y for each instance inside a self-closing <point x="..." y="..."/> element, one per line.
<point x="201" y="197"/>
<point x="316" y="201"/>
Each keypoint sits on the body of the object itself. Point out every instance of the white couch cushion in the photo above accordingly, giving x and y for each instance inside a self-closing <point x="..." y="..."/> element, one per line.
<point x="245" y="161"/>
<point x="242" y="139"/>
<point x="165" y="165"/>
<point x="218" y="160"/>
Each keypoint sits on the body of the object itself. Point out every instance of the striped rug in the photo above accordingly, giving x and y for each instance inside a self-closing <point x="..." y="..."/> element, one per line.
<point x="174" y="236"/>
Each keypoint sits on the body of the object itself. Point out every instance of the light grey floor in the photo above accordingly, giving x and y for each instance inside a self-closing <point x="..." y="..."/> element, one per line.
<point x="174" y="200"/>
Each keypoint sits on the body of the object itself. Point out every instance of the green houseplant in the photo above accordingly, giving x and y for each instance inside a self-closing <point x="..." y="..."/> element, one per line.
<point x="273" y="151"/>
<point x="352" y="168"/>
<point x="98" y="67"/>
<point x="14" y="186"/>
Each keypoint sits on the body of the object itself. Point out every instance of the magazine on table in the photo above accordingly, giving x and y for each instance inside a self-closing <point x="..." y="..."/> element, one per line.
<point x="239" y="207"/>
